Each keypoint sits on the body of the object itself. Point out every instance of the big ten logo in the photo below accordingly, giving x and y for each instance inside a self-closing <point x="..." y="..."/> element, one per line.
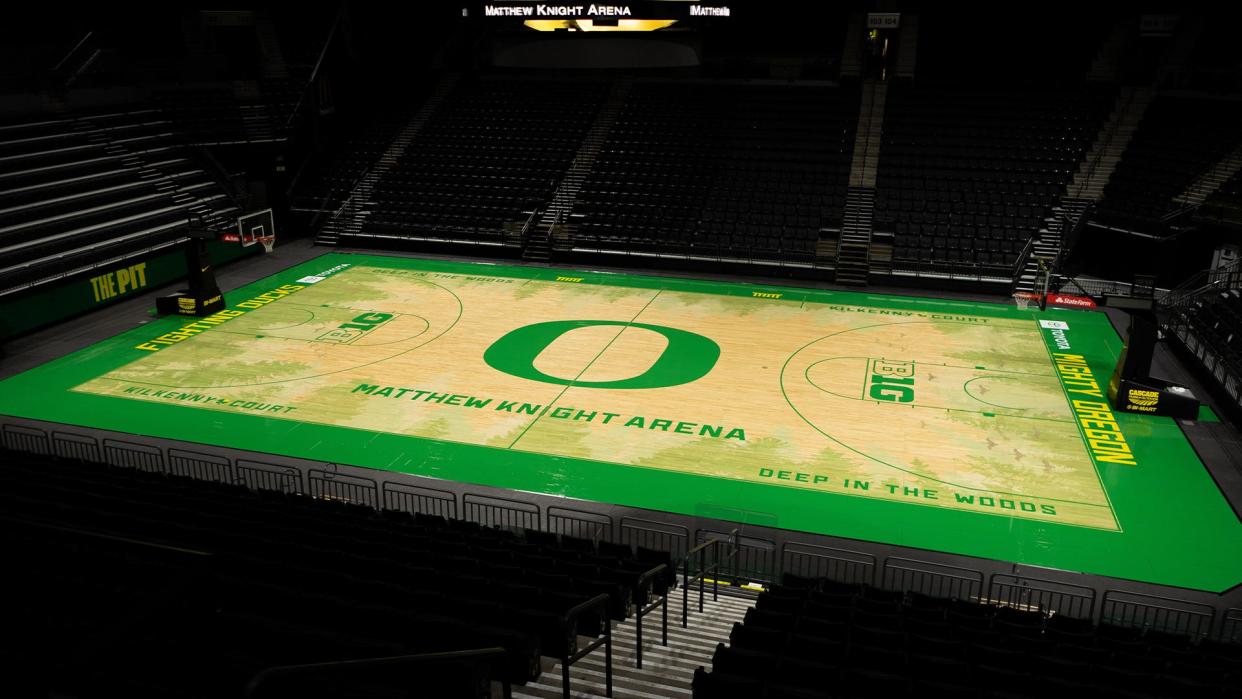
<point x="892" y="381"/>
<point x="346" y="333"/>
<point x="687" y="357"/>
<point x="118" y="282"/>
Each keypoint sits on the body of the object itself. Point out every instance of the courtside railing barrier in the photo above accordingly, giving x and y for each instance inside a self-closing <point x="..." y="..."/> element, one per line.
<point x="773" y="553"/>
<point x="1231" y="626"/>
<point x="1034" y="594"/>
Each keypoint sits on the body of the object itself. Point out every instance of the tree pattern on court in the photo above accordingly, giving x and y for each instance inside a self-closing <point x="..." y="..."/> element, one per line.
<point x="989" y="422"/>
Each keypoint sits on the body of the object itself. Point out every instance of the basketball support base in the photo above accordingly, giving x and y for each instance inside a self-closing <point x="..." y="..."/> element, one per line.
<point x="1152" y="396"/>
<point x="1132" y="389"/>
<point x="203" y="296"/>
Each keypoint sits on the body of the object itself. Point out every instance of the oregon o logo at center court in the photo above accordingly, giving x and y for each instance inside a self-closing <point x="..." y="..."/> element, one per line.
<point x="688" y="356"/>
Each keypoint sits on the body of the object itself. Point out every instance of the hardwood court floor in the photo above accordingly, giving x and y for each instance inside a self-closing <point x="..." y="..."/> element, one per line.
<point x="972" y="428"/>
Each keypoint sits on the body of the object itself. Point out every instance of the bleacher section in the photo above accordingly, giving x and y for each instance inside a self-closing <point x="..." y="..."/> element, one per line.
<point x="330" y="177"/>
<point x="966" y="177"/>
<point x="491" y="155"/>
<point x="80" y="192"/>
<point x="142" y="584"/>
<point x="959" y="44"/>
<point x="817" y="638"/>
<point x="1218" y="317"/>
<point x="721" y="171"/>
<point x="1213" y="64"/>
<point x="1204" y="324"/>
<point x="1231" y="191"/>
<point x="247" y="112"/>
<point x="1178" y="139"/>
<point x="1226" y="202"/>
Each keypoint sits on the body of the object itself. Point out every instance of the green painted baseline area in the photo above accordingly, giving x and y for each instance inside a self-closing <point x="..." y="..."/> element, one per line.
<point x="1159" y="518"/>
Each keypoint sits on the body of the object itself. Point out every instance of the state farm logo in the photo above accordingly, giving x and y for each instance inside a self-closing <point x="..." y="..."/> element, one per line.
<point x="1071" y="301"/>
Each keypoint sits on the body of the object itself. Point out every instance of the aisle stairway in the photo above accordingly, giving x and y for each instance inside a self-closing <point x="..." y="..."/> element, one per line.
<point x="1106" y="65"/>
<point x="1211" y="180"/>
<point x="350" y="218"/>
<point x="555" y="229"/>
<point x="867" y="138"/>
<point x="907" y="46"/>
<point x="852" y="49"/>
<point x="1047" y="244"/>
<point x="853" y="253"/>
<point x="667" y="671"/>
<point x="1099" y="162"/>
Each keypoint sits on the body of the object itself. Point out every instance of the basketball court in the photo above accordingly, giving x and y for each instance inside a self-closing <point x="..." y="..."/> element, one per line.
<point x="970" y="428"/>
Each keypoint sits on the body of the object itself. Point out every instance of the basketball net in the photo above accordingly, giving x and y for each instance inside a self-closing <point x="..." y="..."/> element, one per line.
<point x="1024" y="298"/>
<point x="268" y="242"/>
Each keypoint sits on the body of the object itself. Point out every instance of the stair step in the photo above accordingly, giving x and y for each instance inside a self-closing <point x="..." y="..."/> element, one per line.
<point x="667" y="670"/>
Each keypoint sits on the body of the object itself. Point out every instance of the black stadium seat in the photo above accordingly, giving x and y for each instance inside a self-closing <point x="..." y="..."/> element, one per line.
<point x="976" y="650"/>
<point x="290" y="583"/>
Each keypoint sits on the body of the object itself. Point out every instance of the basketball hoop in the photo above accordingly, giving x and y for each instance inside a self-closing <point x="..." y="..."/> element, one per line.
<point x="1023" y="299"/>
<point x="256" y="227"/>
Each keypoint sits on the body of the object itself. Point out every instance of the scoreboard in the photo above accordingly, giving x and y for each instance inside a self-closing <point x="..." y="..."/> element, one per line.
<point x="643" y="15"/>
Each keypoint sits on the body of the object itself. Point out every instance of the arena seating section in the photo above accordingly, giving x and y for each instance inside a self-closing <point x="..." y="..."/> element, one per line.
<point x="260" y="578"/>
<point x="1178" y="139"/>
<point x="82" y="191"/>
<point x="1216" y="319"/>
<point x="491" y="154"/>
<point x="721" y="170"/>
<point x="816" y="638"/>
<point x="966" y="177"/>
<point x="733" y="170"/>
<point x="1213" y="63"/>
<point x="247" y="112"/>
<point x="957" y="44"/>
<point x="758" y="171"/>
<point x="331" y="176"/>
<point x="1226" y="201"/>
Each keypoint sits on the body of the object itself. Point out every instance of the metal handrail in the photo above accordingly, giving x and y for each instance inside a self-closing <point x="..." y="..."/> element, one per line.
<point x="704" y="569"/>
<point x="347" y="203"/>
<point x="203" y="158"/>
<point x="1077" y="286"/>
<point x="476" y="658"/>
<point x="1206" y="281"/>
<point x="600" y="602"/>
<point x="952" y="267"/>
<point x="645" y="581"/>
<point x="1070" y="233"/>
<point x="524" y="234"/>
<point x="82" y="42"/>
<point x="1179" y="211"/>
<point x="310" y="81"/>
<point x="1019" y="264"/>
<point x="1225" y="356"/>
<point x="1112" y="133"/>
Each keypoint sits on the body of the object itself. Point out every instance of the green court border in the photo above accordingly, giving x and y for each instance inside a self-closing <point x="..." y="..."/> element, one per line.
<point x="1178" y="529"/>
